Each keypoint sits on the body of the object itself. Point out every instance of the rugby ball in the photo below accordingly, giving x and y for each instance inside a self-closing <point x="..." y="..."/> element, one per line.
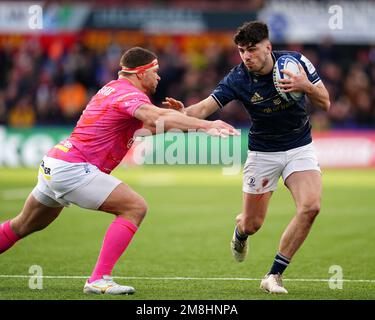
<point x="290" y="63"/>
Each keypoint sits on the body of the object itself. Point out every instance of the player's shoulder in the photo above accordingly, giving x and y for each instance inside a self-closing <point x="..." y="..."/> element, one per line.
<point x="237" y="73"/>
<point x="238" y="69"/>
<point x="124" y="88"/>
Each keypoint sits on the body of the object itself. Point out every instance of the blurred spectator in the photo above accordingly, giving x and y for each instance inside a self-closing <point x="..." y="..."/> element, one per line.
<point x="72" y="99"/>
<point x="340" y="114"/>
<point x="3" y="109"/>
<point x="23" y="114"/>
<point x="50" y="82"/>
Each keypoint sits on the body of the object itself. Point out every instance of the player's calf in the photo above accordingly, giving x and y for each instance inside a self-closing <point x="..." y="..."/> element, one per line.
<point x="34" y="216"/>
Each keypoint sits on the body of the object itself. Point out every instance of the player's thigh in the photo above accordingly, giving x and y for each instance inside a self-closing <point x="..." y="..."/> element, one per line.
<point x="302" y="175"/>
<point x="92" y="194"/>
<point x="302" y="159"/>
<point x="262" y="171"/>
<point x="306" y="189"/>
<point x="124" y="200"/>
<point x="34" y="216"/>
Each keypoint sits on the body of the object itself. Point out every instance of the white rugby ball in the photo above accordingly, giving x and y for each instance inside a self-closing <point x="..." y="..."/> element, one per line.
<point x="286" y="62"/>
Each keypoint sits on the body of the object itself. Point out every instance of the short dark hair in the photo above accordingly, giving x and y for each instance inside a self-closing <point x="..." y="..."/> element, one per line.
<point x="250" y="33"/>
<point x="136" y="57"/>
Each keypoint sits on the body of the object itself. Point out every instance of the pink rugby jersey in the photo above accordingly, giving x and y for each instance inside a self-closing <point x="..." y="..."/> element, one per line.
<point x="104" y="132"/>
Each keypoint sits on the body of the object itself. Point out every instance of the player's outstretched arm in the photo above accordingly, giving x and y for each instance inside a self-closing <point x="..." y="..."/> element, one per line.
<point x="199" y="110"/>
<point x="155" y="118"/>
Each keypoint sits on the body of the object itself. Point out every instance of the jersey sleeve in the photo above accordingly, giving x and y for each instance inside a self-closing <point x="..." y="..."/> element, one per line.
<point x="130" y="102"/>
<point x="310" y="70"/>
<point x="224" y="92"/>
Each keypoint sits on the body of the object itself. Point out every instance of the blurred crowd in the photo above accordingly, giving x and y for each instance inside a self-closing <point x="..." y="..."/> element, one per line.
<point x="52" y="86"/>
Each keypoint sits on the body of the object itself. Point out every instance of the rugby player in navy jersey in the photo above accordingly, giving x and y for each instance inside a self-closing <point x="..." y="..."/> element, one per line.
<point x="280" y="143"/>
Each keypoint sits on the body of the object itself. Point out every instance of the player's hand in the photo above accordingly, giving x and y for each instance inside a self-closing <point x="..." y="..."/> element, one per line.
<point x="222" y="129"/>
<point x="295" y="82"/>
<point x="174" y="104"/>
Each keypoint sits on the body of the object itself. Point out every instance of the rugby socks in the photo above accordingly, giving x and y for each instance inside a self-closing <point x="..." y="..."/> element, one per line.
<point x="279" y="264"/>
<point x="7" y="236"/>
<point x="240" y="236"/>
<point x="116" y="240"/>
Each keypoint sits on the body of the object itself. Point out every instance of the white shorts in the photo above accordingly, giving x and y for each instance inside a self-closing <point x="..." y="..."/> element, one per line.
<point x="262" y="170"/>
<point x="61" y="183"/>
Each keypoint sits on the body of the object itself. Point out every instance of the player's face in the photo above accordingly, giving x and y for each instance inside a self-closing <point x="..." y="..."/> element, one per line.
<point x="255" y="57"/>
<point x="150" y="80"/>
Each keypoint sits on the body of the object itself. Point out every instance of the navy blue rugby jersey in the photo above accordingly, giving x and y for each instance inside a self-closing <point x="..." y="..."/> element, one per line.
<point x="277" y="125"/>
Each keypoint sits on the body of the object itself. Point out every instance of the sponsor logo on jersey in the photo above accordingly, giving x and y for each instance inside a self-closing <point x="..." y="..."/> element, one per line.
<point x="106" y="91"/>
<point x="277" y="101"/>
<point x="65" y="147"/>
<point x="256" y="97"/>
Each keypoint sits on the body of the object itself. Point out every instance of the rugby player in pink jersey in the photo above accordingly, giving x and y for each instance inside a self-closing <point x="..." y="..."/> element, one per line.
<point x="77" y="170"/>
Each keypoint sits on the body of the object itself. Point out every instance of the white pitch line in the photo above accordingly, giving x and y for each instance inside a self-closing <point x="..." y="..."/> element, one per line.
<point x="185" y="278"/>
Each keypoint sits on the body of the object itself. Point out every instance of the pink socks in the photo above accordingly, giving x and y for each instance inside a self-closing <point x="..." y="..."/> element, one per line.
<point x="7" y="236"/>
<point x="116" y="240"/>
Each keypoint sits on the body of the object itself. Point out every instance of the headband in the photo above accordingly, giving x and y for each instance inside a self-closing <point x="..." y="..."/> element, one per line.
<point x="150" y="66"/>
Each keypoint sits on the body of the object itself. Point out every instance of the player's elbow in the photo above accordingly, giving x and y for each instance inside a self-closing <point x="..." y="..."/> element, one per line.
<point x="156" y="118"/>
<point x="154" y="121"/>
<point x="326" y="104"/>
<point x="168" y="120"/>
<point x="150" y="123"/>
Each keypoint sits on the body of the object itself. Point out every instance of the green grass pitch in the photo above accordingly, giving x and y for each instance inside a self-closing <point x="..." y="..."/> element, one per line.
<point x="182" y="249"/>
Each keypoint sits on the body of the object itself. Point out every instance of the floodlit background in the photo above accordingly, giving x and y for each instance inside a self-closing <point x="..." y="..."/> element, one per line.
<point x="54" y="56"/>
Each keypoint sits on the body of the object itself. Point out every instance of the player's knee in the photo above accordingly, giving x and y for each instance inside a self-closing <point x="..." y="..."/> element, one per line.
<point x="140" y="208"/>
<point x="134" y="210"/>
<point x="310" y="210"/>
<point x="143" y="208"/>
<point x="251" y="227"/>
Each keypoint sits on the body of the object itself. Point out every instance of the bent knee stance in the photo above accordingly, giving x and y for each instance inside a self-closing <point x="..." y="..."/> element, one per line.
<point x="136" y="211"/>
<point x="250" y="226"/>
<point x="141" y="208"/>
<point x="309" y="210"/>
